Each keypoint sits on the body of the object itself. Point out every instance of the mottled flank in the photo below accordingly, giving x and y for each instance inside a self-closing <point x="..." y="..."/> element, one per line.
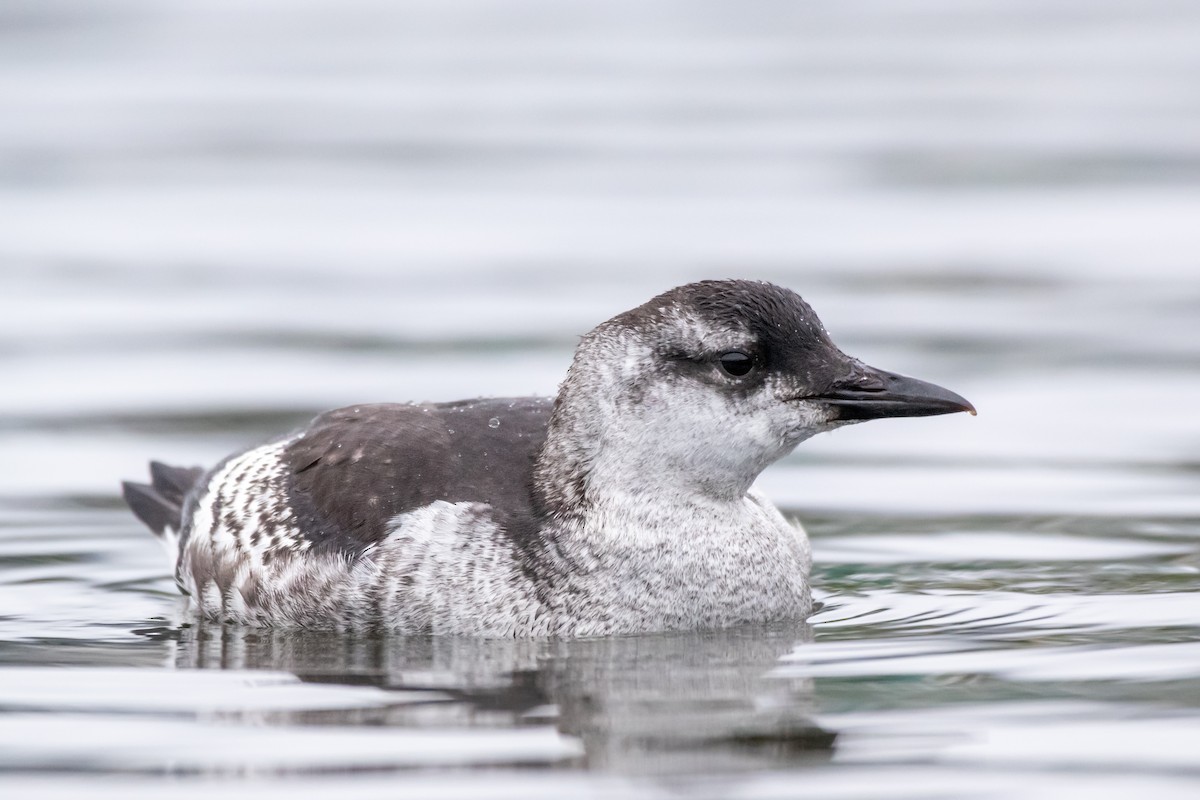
<point x="623" y="506"/>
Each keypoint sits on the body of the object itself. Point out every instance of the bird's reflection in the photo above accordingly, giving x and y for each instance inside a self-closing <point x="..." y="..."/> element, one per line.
<point x="664" y="703"/>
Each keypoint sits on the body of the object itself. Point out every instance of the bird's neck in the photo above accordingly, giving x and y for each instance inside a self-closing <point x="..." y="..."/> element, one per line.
<point x="607" y="445"/>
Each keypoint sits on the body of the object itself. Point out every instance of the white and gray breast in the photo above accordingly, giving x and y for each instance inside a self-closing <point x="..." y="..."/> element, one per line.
<point x="705" y="564"/>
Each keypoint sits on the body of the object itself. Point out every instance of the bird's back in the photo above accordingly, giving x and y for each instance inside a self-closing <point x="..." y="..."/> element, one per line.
<point x="273" y="534"/>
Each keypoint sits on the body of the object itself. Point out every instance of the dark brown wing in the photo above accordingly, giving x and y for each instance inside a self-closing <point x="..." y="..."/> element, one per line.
<point x="354" y="469"/>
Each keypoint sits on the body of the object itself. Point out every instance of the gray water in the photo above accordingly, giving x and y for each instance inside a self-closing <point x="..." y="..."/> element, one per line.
<point x="217" y="220"/>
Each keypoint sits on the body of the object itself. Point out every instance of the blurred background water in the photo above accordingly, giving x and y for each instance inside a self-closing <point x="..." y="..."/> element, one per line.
<point x="217" y="219"/>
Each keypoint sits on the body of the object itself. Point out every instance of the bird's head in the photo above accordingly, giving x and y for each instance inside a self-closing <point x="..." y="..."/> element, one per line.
<point x="702" y="387"/>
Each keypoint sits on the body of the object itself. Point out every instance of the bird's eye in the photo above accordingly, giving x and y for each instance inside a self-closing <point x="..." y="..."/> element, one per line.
<point x="736" y="363"/>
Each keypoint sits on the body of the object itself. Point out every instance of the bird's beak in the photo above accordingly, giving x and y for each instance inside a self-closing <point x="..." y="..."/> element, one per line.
<point x="874" y="394"/>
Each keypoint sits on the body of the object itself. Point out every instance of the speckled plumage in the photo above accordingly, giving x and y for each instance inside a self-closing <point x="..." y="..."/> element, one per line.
<point x="623" y="507"/>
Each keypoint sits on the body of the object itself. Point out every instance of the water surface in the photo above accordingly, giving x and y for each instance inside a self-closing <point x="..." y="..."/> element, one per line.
<point x="217" y="221"/>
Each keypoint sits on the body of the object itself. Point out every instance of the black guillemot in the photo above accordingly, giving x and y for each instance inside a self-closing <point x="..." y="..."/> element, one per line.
<point x="623" y="505"/>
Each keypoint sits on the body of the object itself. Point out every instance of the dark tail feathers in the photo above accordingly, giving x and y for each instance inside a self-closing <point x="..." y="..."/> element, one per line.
<point x="159" y="504"/>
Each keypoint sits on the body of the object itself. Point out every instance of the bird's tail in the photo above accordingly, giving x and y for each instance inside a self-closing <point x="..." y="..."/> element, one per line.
<point x="159" y="504"/>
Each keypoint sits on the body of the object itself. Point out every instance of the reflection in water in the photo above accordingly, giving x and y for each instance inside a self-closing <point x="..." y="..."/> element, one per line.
<point x="662" y="703"/>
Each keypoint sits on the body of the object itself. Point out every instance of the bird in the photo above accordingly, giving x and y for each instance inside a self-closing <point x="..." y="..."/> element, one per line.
<point x="623" y="505"/>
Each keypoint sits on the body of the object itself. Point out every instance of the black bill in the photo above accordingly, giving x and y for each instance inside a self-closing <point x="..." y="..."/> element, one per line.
<point x="875" y="394"/>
